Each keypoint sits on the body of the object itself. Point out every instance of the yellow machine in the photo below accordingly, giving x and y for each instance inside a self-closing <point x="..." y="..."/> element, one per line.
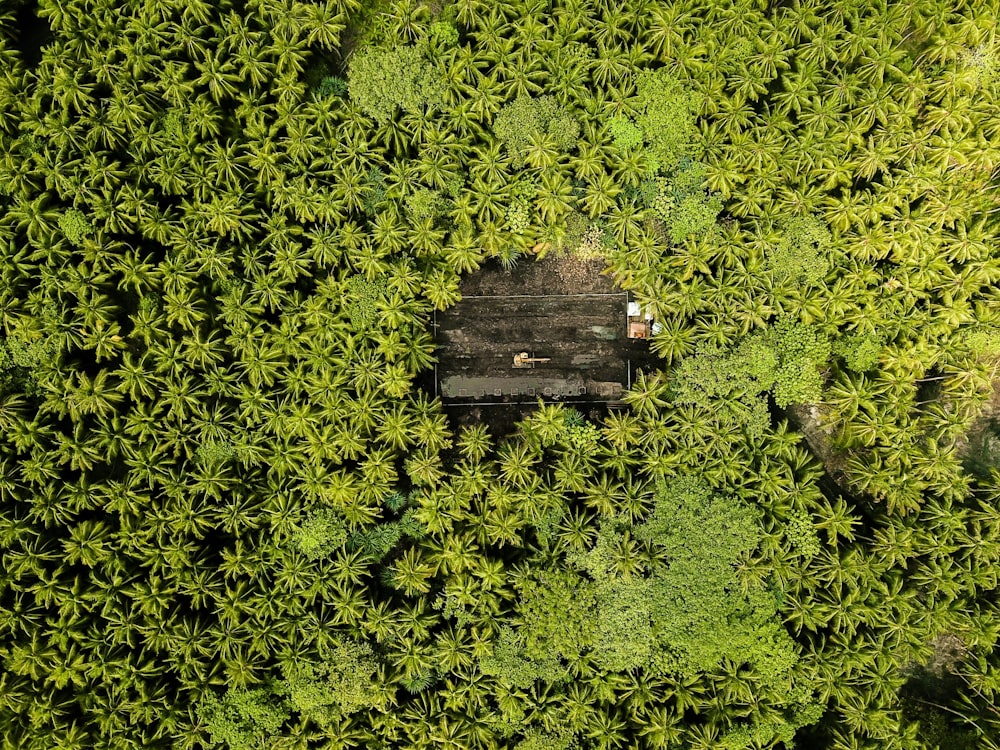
<point x="522" y="360"/>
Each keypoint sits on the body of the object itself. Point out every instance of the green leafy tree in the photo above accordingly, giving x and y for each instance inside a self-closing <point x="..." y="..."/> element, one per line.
<point x="244" y="718"/>
<point x="380" y="81"/>
<point x="527" y="118"/>
<point x="802" y="256"/>
<point x="665" y="119"/>
<point x="345" y="680"/>
<point x="701" y="611"/>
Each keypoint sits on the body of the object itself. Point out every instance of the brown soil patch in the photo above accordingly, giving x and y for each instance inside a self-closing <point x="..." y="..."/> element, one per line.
<point x="553" y="274"/>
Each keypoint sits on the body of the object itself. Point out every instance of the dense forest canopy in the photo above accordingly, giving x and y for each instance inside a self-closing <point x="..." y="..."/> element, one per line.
<point x="231" y="516"/>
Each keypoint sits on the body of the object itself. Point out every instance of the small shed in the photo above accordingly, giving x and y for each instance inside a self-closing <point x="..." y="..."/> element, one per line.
<point x="638" y="323"/>
<point x="638" y="329"/>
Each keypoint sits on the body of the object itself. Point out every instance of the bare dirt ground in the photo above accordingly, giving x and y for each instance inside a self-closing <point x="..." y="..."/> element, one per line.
<point x="551" y="275"/>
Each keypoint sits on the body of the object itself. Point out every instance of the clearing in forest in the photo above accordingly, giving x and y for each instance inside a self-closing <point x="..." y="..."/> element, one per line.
<point x="555" y="329"/>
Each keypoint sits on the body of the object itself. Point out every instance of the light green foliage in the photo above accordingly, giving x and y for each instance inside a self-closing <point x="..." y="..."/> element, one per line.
<point x="593" y="244"/>
<point x="26" y="351"/>
<point x="693" y="215"/>
<point x="600" y="560"/>
<point x="362" y="298"/>
<point x="319" y="534"/>
<point x="520" y="212"/>
<point x="585" y="239"/>
<point x="509" y="664"/>
<point x="442" y="35"/>
<point x="625" y="636"/>
<point x="382" y="80"/>
<point x="785" y="359"/>
<point x="802" y="350"/>
<point x="546" y="522"/>
<point x="424" y="203"/>
<point x="539" y="740"/>
<point x="625" y="133"/>
<point x="983" y="341"/>
<point x="801" y="535"/>
<point x="680" y="616"/>
<point x="583" y="437"/>
<point x="860" y="351"/>
<point x="801" y="709"/>
<point x="75" y="225"/>
<point x="688" y="177"/>
<point x="24" y="355"/>
<point x="557" y="608"/>
<point x="660" y="198"/>
<point x="174" y="127"/>
<point x="344" y="681"/>
<point x="702" y="612"/>
<point x="555" y="425"/>
<point x="518" y="216"/>
<point x="802" y="254"/>
<point x="983" y="63"/>
<point x="680" y="200"/>
<point x="696" y="525"/>
<point x="244" y="719"/>
<point x="728" y="385"/>
<point x="684" y="204"/>
<point x="525" y="117"/>
<point x="666" y="111"/>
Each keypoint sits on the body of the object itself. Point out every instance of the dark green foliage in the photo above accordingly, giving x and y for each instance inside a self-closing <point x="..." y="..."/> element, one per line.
<point x="375" y="191"/>
<point x="331" y="86"/>
<point x="378" y="541"/>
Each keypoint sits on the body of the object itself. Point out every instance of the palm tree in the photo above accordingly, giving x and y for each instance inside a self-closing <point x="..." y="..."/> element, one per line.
<point x="648" y="393"/>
